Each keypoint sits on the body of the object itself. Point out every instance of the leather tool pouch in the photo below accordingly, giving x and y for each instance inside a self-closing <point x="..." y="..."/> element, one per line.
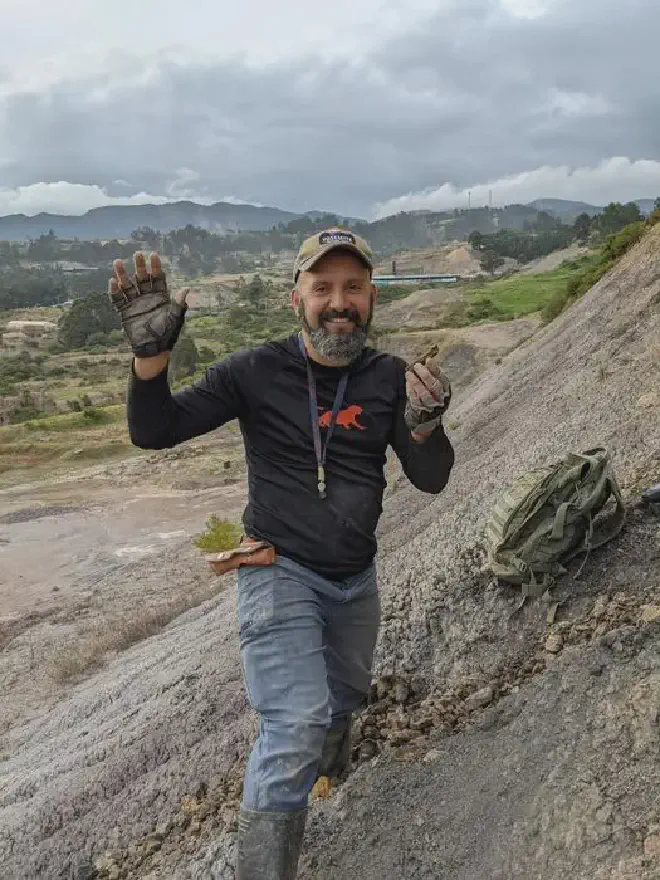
<point x="249" y="552"/>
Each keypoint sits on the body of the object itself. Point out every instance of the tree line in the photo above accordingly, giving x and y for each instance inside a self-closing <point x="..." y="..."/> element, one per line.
<point x="25" y="288"/>
<point x="194" y="251"/>
<point x="545" y="236"/>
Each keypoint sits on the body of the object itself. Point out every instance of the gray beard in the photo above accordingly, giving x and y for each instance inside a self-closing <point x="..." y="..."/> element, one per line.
<point x="339" y="347"/>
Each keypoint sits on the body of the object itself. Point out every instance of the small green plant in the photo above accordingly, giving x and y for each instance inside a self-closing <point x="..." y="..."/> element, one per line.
<point x="482" y="309"/>
<point x="617" y="245"/>
<point x="206" y="354"/>
<point x="94" y="416"/>
<point x="218" y="535"/>
<point x="556" y="306"/>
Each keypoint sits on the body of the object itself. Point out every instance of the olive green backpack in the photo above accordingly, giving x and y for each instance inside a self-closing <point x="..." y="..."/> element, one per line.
<point x="548" y="516"/>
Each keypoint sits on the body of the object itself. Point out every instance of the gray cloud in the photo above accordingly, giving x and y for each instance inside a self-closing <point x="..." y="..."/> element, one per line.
<point x="469" y="94"/>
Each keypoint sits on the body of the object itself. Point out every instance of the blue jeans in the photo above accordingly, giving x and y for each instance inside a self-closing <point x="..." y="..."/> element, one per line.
<point x="307" y="646"/>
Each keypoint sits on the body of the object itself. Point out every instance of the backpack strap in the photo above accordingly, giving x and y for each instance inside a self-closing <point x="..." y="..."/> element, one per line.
<point x="534" y="589"/>
<point x="611" y="525"/>
<point x="606" y="528"/>
<point x="560" y="521"/>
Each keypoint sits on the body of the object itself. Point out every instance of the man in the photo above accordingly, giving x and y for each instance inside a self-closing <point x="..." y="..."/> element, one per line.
<point x="317" y="412"/>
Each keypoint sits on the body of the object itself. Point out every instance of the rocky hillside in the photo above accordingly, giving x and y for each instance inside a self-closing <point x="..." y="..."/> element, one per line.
<point x="495" y="745"/>
<point x="451" y="258"/>
<point x="464" y="352"/>
<point x="532" y="747"/>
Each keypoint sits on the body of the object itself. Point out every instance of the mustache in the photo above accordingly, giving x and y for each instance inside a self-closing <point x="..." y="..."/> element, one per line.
<point x="334" y="314"/>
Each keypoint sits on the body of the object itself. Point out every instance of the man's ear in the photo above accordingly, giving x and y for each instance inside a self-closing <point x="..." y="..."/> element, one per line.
<point x="374" y="293"/>
<point x="295" y="299"/>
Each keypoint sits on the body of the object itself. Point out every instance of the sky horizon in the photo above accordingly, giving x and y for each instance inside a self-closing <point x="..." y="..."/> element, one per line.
<point x="475" y="197"/>
<point x="371" y="110"/>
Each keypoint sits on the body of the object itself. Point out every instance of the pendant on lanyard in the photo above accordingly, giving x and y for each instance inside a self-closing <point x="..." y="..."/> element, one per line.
<point x="321" y="450"/>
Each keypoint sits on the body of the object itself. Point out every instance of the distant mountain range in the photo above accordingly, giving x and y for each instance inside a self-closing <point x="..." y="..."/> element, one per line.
<point x="567" y="210"/>
<point x="115" y="221"/>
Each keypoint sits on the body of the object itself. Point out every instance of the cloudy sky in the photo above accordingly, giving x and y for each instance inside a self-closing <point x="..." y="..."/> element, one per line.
<point x="365" y="107"/>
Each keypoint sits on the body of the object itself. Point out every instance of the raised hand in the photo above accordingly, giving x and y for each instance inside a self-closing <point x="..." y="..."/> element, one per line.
<point x="151" y="321"/>
<point x="429" y="393"/>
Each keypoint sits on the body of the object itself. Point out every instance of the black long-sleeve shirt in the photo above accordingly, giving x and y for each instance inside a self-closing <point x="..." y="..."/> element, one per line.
<point x="265" y="388"/>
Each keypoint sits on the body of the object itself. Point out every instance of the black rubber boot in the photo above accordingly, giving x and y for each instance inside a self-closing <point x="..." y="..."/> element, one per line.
<point x="269" y="844"/>
<point x="336" y="757"/>
<point x="652" y="495"/>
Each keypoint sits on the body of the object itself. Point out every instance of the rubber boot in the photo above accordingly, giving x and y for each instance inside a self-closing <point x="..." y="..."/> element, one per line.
<point x="269" y="844"/>
<point x="651" y="498"/>
<point x="336" y="757"/>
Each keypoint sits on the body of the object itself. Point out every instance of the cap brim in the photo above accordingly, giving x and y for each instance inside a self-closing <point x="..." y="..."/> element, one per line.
<point x="310" y="262"/>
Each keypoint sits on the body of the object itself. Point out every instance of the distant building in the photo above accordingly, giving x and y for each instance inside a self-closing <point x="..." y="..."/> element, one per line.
<point x="33" y="328"/>
<point x="8" y="406"/>
<point x="15" y="339"/>
<point x="23" y="334"/>
<point x="38" y="400"/>
<point x="415" y="278"/>
<point x="71" y="267"/>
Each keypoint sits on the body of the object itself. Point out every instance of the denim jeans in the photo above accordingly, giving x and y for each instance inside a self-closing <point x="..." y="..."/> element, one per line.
<point x="307" y="646"/>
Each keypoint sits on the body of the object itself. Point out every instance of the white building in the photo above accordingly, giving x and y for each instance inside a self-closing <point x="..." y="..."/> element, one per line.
<point x="22" y="334"/>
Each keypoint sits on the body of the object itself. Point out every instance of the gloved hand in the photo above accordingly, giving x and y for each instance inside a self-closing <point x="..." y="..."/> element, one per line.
<point x="151" y="321"/>
<point x="429" y="395"/>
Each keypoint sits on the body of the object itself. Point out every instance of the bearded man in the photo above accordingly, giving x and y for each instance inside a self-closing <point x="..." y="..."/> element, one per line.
<point x="317" y="412"/>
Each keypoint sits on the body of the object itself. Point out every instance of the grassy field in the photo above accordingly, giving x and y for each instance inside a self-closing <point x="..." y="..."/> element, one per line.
<point x="39" y="313"/>
<point x="89" y="386"/>
<point x="62" y="440"/>
<point x="518" y="295"/>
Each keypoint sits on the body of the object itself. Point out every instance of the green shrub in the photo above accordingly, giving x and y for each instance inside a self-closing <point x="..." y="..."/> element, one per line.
<point x="78" y="418"/>
<point x="116" y="337"/>
<point x="219" y="535"/>
<point x="556" y="305"/>
<point x="588" y="273"/>
<point x="617" y="244"/>
<point x="94" y="416"/>
<point x="456" y="315"/>
<point x="206" y="354"/>
<point x="24" y="414"/>
<point x="482" y="309"/>
<point x="98" y="339"/>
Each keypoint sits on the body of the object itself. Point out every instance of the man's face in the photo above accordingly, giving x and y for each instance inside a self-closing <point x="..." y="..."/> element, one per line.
<point x="334" y="302"/>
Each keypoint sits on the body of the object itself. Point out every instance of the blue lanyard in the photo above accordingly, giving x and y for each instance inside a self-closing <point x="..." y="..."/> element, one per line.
<point x="319" y="449"/>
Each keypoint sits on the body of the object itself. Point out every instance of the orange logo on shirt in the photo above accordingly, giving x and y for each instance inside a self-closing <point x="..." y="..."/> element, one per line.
<point x="346" y="418"/>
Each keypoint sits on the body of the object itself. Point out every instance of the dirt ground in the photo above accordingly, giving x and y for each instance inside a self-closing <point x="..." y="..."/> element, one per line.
<point x="65" y="536"/>
<point x="453" y="257"/>
<point x="554" y="260"/>
<point x="464" y="352"/>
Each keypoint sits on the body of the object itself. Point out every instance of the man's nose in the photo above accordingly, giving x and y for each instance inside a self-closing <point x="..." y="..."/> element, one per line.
<point x="338" y="299"/>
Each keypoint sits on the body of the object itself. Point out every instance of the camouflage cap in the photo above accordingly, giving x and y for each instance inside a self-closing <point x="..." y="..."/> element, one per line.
<point x="321" y="243"/>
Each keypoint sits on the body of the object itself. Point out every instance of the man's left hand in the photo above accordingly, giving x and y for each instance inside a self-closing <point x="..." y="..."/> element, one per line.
<point x="429" y="394"/>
